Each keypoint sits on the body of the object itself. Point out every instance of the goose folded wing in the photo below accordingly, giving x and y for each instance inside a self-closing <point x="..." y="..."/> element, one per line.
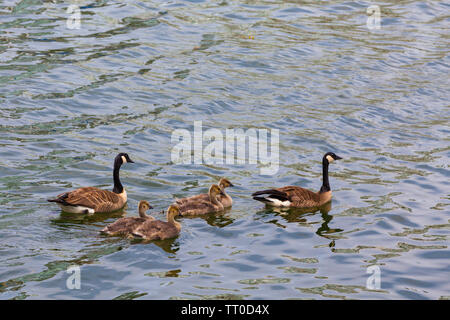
<point x="292" y="194"/>
<point x="92" y="198"/>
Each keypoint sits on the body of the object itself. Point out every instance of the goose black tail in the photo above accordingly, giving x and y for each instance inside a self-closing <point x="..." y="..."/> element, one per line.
<point x="272" y="193"/>
<point x="262" y="199"/>
<point x="61" y="199"/>
<point x="55" y="200"/>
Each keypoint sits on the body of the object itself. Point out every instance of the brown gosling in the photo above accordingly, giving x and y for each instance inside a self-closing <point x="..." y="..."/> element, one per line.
<point x="224" y="198"/>
<point x="125" y="226"/>
<point x="199" y="205"/>
<point x="160" y="230"/>
<point x="297" y="197"/>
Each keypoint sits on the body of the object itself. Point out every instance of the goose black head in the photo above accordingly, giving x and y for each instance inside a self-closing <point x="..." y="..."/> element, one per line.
<point x="122" y="158"/>
<point x="330" y="157"/>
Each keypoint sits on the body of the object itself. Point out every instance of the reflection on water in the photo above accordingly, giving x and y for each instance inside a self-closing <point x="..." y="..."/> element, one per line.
<point x="168" y="245"/>
<point x="300" y="215"/>
<point x="220" y="219"/>
<point x="70" y="99"/>
<point x="66" y="218"/>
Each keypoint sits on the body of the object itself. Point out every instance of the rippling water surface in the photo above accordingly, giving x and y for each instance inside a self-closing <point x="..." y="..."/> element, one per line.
<point x="135" y="71"/>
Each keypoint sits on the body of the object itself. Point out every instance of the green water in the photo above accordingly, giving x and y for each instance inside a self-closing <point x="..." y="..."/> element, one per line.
<point x="135" y="71"/>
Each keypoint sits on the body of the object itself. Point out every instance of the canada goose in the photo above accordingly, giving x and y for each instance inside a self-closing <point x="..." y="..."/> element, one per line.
<point x="125" y="226"/>
<point x="198" y="205"/>
<point x="223" y="198"/>
<point x="91" y="199"/>
<point x="297" y="197"/>
<point x="160" y="230"/>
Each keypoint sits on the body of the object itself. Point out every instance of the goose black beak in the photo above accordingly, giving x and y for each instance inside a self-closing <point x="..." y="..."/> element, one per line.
<point x="231" y="185"/>
<point x="337" y="158"/>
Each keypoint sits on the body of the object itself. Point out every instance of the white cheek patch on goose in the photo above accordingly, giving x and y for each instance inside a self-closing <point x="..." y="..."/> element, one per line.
<point x="124" y="160"/>
<point x="330" y="159"/>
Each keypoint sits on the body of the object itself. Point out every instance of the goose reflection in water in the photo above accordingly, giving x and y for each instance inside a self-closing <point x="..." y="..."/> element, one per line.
<point x="300" y="215"/>
<point x="169" y="245"/>
<point x="67" y="218"/>
<point x="220" y="219"/>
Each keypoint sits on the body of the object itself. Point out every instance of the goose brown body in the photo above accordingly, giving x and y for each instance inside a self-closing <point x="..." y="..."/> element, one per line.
<point x="297" y="197"/>
<point x="92" y="199"/>
<point x="160" y="230"/>
<point x="126" y="226"/>
<point x="200" y="205"/>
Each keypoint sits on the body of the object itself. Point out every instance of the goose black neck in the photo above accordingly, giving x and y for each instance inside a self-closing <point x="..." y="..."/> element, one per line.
<point x="118" y="188"/>
<point x="325" y="184"/>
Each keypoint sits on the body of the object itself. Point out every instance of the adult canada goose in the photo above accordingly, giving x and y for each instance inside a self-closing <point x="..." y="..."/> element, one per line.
<point x="91" y="199"/>
<point x="160" y="230"/>
<point x="223" y="198"/>
<point x="198" y="205"/>
<point x="297" y="197"/>
<point x="125" y="226"/>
